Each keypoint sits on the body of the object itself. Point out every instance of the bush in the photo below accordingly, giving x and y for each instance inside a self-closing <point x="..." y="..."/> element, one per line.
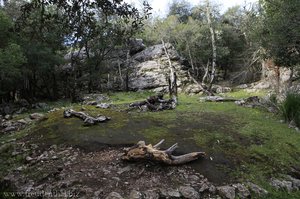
<point x="291" y="108"/>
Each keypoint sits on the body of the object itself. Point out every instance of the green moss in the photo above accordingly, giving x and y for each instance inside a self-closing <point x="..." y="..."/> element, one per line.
<point x="154" y="134"/>
<point x="253" y="141"/>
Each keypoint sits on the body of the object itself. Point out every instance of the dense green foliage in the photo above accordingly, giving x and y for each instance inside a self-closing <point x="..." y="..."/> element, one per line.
<point x="35" y="36"/>
<point x="291" y="108"/>
<point x="281" y="36"/>
<point x="186" y="27"/>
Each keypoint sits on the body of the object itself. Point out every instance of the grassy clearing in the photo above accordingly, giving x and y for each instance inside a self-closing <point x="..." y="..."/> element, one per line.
<point x="255" y="143"/>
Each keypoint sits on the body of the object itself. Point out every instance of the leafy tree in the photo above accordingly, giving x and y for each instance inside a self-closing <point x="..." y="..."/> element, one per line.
<point x="282" y="38"/>
<point x="181" y="9"/>
<point x="11" y="61"/>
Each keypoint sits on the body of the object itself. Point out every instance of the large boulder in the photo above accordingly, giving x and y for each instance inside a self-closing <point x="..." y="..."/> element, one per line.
<point x="150" y="68"/>
<point x="135" y="46"/>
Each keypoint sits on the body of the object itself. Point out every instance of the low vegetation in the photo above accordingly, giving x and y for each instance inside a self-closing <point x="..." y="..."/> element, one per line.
<point x="291" y="108"/>
<point x="242" y="144"/>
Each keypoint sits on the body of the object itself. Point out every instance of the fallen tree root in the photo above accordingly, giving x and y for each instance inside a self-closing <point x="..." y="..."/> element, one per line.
<point x="141" y="151"/>
<point x="88" y="120"/>
<point x="155" y="103"/>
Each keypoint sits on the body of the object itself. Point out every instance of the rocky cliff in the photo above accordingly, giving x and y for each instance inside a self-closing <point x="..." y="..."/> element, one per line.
<point x="150" y="69"/>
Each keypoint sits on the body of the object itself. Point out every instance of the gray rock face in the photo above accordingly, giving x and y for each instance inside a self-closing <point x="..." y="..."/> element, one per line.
<point x="193" y="88"/>
<point x="135" y="46"/>
<point x="150" y="68"/>
<point x="189" y="192"/>
<point x="114" y="195"/>
<point x="226" y="192"/>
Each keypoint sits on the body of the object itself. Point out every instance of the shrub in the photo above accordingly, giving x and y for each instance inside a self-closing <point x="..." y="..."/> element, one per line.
<point x="291" y="108"/>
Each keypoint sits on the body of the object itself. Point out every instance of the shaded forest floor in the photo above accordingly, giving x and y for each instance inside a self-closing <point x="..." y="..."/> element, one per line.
<point x="242" y="144"/>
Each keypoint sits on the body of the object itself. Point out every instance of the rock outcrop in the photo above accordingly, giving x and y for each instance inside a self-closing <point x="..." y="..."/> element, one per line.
<point x="150" y="69"/>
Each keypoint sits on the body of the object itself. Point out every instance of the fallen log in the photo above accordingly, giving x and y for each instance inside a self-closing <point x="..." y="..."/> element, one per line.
<point x="87" y="119"/>
<point x="217" y="99"/>
<point x="155" y="103"/>
<point x="141" y="151"/>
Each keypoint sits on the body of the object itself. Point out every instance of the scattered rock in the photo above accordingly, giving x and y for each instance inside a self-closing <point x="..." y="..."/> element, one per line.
<point x="125" y="169"/>
<point x="135" y="195"/>
<point x="189" y="192"/>
<point x="103" y="105"/>
<point x="226" y="192"/>
<point x="212" y="189"/>
<point x="204" y="187"/>
<point x="193" y="178"/>
<point x="9" y="129"/>
<point x="296" y="182"/>
<point x="8" y="117"/>
<point x="278" y="184"/>
<point x="151" y="194"/>
<point x="37" y="116"/>
<point x="23" y="121"/>
<point x="220" y="89"/>
<point x="29" y="159"/>
<point x="193" y="88"/>
<point x="242" y="191"/>
<point x="249" y="102"/>
<point x="256" y="189"/>
<point x="170" y="193"/>
<point x="116" y="179"/>
<point x="114" y="195"/>
<point x="98" y="193"/>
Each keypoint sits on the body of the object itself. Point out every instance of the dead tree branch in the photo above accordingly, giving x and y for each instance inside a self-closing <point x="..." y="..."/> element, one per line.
<point x="141" y="151"/>
<point x="88" y="120"/>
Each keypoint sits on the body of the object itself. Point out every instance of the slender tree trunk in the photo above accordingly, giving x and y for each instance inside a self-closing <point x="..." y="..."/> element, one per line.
<point x="191" y="58"/>
<point x="172" y="75"/>
<point x="120" y="74"/>
<point x="213" y="43"/>
<point x="206" y="72"/>
<point x="127" y="63"/>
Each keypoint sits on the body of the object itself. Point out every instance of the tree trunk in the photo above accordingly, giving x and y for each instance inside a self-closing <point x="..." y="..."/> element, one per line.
<point x="206" y="69"/>
<point x="191" y="58"/>
<point x="213" y="43"/>
<point x="172" y="75"/>
<point x="120" y="75"/>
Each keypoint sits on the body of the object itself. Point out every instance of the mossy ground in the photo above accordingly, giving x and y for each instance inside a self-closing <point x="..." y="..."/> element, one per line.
<point x="241" y="143"/>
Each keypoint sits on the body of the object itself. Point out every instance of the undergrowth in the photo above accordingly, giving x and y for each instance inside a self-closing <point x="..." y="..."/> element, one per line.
<point x="291" y="108"/>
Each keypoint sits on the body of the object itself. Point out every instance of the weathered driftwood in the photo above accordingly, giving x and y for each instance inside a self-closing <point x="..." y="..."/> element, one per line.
<point x="87" y="119"/>
<point x="217" y="99"/>
<point x="141" y="151"/>
<point x="156" y="103"/>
